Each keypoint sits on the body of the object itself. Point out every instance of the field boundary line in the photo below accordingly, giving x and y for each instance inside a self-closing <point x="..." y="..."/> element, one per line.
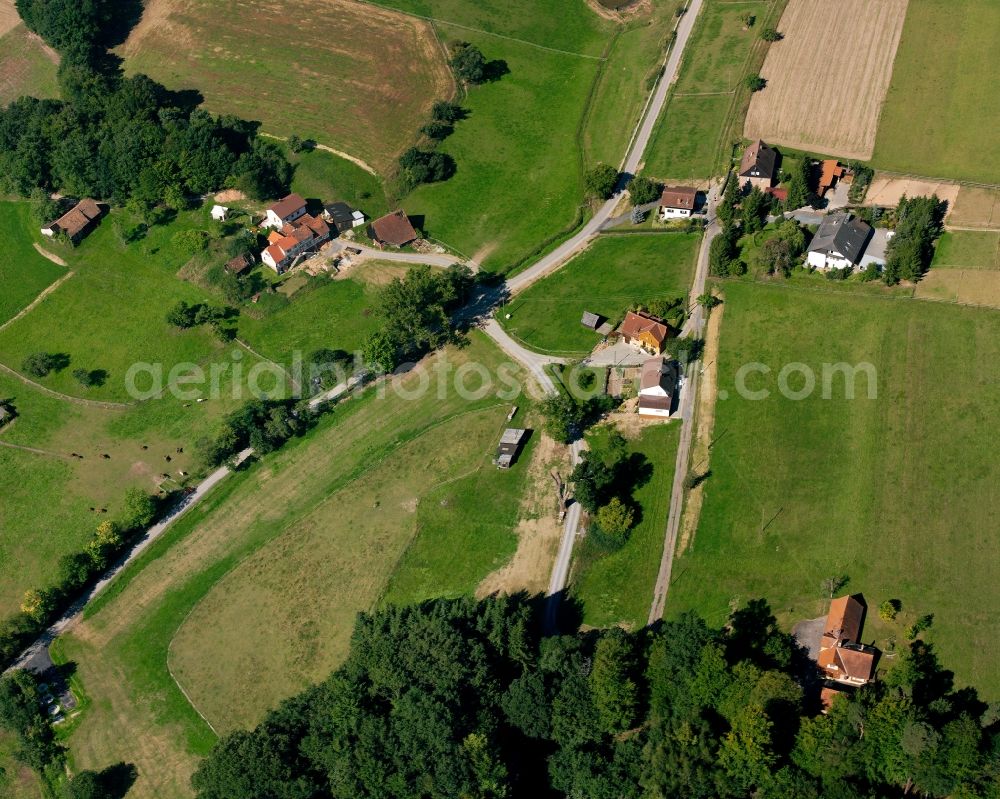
<point x="397" y="445"/>
<point x="50" y="255"/>
<point x="339" y="153"/>
<point x="295" y="383"/>
<point x="929" y="179"/>
<point x="480" y="30"/>
<point x="110" y="406"/>
<point x="32" y="450"/>
<point x="38" y="300"/>
<point x="704" y="94"/>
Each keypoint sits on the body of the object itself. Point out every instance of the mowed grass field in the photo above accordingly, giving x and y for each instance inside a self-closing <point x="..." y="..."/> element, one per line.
<point x="138" y="714"/>
<point x="24" y="273"/>
<point x="111" y="313"/>
<point x="306" y="587"/>
<point x="354" y="77"/>
<point x="617" y="587"/>
<point x="941" y="108"/>
<point x="828" y="77"/>
<point x="48" y="495"/>
<point x="328" y="313"/>
<point x="634" y="59"/>
<point x="692" y="132"/>
<point x="966" y="269"/>
<point x="614" y="272"/>
<point x="519" y="176"/>
<point x="896" y="493"/>
<point x="27" y="65"/>
<point x="322" y="176"/>
<point x="568" y="25"/>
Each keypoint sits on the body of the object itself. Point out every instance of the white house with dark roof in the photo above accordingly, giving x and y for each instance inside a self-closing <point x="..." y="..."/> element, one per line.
<point x="839" y="243"/>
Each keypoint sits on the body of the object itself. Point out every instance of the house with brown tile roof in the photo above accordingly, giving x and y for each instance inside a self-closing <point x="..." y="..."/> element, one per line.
<point x="303" y="235"/>
<point x="392" y="229"/>
<point x="76" y="222"/>
<point x="645" y="332"/>
<point x="677" y="202"/>
<point x="831" y="171"/>
<point x="287" y="209"/>
<point x="842" y="657"/>
<point x="758" y="166"/>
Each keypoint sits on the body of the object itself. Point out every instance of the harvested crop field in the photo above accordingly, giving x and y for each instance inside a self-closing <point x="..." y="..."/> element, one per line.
<point x="356" y="77"/>
<point x="976" y="208"/>
<point x="8" y="16"/>
<point x="888" y="191"/>
<point x="828" y="78"/>
<point x="27" y="65"/>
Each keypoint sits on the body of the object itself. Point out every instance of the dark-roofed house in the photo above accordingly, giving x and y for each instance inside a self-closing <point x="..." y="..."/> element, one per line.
<point x="591" y="320"/>
<point x="511" y="441"/>
<point x="645" y="332"/>
<point x="287" y="209"/>
<point x="677" y="202"/>
<point x="839" y="242"/>
<point x="657" y="386"/>
<point x="842" y="658"/>
<point x="241" y="264"/>
<point x="343" y="217"/>
<point x="758" y="166"/>
<point x="76" y="222"/>
<point x="393" y="229"/>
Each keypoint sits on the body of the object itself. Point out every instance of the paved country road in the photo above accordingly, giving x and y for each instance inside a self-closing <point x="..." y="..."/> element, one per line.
<point x="695" y="326"/>
<point x="534" y="362"/>
<point x="581" y="240"/>
<point x="36" y="656"/>
<point x="575" y="244"/>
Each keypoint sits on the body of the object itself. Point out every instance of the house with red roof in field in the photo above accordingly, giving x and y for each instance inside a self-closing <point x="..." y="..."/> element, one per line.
<point x="677" y="202"/>
<point x="842" y="657"/>
<point x="76" y="222"/>
<point x="645" y="332"/>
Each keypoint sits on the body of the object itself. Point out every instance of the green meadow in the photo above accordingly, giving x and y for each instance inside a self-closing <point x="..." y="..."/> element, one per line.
<point x="696" y="121"/>
<point x="24" y="273"/>
<point x="614" y="272"/>
<point x="893" y="492"/>
<point x="954" y="84"/>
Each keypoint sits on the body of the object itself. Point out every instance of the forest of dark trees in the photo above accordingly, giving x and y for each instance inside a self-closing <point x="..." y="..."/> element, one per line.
<point x="117" y="138"/>
<point x="457" y="698"/>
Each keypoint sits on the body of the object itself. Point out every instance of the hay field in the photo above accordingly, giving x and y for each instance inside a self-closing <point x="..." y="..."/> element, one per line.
<point x="306" y="587"/>
<point x="789" y="476"/>
<point x="886" y="191"/>
<point x="828" y="78"/>
<point x="8" y="16"/>
<point x="358" y="78"/>
<point x="27" y="65"/>
<point x="976" y="207"/>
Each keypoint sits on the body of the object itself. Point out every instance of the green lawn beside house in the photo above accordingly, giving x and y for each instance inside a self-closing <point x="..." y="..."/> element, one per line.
<point x="894" y="492"/>
<point x="614" y="272"/>
<point x="23" y="272"/>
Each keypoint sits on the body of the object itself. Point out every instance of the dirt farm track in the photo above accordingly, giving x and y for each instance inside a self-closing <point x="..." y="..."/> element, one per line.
<point x="828" y="77"/>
